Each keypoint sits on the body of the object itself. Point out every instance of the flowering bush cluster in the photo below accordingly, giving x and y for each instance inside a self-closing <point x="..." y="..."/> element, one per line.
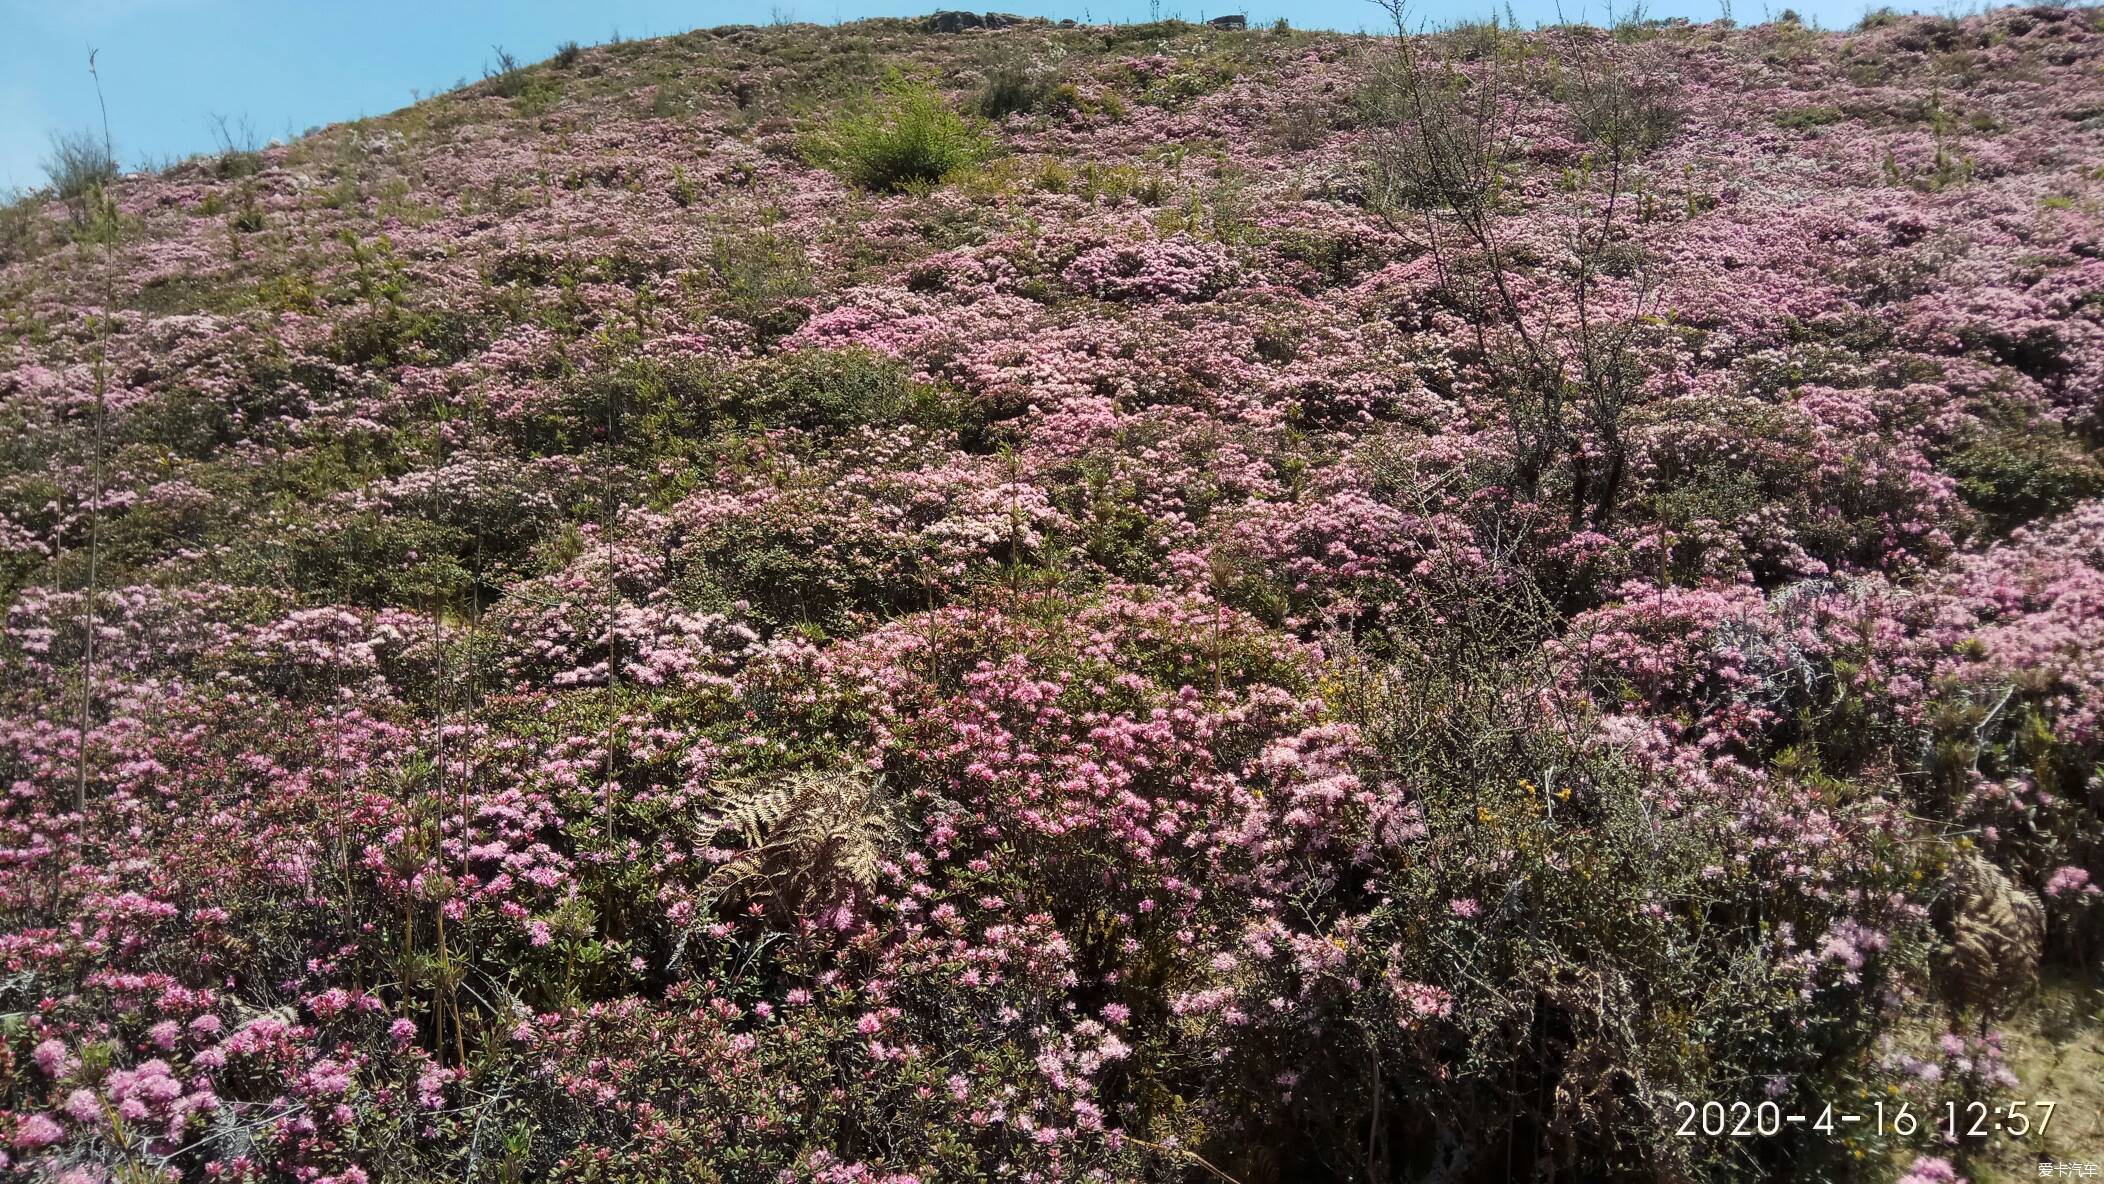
<point x="565" y="633"/>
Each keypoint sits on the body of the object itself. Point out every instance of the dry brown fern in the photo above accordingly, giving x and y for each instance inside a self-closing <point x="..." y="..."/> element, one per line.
<point x="804" y="841"/>
<point x="1997" y="931"/>
<point x="803" y="844"/>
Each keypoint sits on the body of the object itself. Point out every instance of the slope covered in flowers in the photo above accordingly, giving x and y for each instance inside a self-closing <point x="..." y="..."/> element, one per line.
<point x="550" y="636"/>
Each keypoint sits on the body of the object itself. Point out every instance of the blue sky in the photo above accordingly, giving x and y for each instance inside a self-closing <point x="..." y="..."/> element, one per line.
<point x="283" y="66"/>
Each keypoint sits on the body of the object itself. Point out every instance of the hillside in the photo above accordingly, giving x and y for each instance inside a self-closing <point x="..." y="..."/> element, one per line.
<point x="1057" y="603"/>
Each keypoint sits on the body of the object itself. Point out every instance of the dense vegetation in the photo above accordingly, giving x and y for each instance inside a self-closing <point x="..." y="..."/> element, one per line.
<point x="1067" y="603"/>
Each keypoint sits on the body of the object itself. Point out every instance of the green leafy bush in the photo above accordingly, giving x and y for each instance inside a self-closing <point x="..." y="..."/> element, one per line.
<point x="804" y="558"/>
<point x="761" y="279"/>
<point x="507" y="79"/>
<point x="1017" y="88"/>
<point x="2014" y="474"/>
<point x="1804" y="118"/>
<point x="909" y="138"/>
<point x="817" y="390"/>
<point x="20" y="226"/>
<point x="811" y="390"/>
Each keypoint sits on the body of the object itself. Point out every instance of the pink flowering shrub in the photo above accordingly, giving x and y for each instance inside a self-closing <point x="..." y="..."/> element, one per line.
<point x="1167" y="269"/>
<point x="620" y="626"/>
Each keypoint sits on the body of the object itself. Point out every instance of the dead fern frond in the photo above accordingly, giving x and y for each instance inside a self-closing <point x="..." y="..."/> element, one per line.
<point x="805" y="842"/>
<point x="1996" y="933"/>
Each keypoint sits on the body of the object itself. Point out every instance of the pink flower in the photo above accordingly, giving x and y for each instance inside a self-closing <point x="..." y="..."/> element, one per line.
<point x="37" y="1132"/>
<point x="1930" y="1169"/>
<point x="2070" y="879"/>
<point x="50" y="1056"/>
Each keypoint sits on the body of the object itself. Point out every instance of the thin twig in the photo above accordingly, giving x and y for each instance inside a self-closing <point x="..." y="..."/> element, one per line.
<point x="1193" y="1156"/>
<point x="108" y="212"/>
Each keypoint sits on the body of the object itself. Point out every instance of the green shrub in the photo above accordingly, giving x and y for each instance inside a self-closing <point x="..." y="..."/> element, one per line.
<point x="909" y="138"/>
<point x="238" y="151"/>
<point x="507" y="79"/>
<point x="248" y="217"/>
<point x="804" y="560"/>
<point x="760" y="278"/>
<point x="2016" y="473"/>
<point x="1149" y="32"/>
<point x="811" y="390"/>
<point x="1305" y="123"/>
<point x="684" y="191"/>
<point x="393" y="335"/>
<point x="1334" y="258"/>
<point x="1806" y="118"/>
<point x="1625" y="116"/>
<point x="531" y="91"/>
<point x="819" y="390"/>
<point x="1014" y="88"/>
<point x="20" y="226"/>
<point x="379" y="560"/>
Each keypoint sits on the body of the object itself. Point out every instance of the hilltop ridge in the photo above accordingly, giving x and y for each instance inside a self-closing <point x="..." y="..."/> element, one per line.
<point x="1054" y="602"/>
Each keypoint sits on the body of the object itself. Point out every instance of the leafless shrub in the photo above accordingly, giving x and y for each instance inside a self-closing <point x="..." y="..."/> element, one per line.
<point x="240" y="150"/>
<point x="78" y="163"/>
<point x="1443" y="112"/>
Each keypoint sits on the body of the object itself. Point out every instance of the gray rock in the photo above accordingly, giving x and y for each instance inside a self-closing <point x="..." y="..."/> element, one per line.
<point x="1229" y="22"/>
<point x="1002" y="20"/>
<point x="955" y="22"/>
